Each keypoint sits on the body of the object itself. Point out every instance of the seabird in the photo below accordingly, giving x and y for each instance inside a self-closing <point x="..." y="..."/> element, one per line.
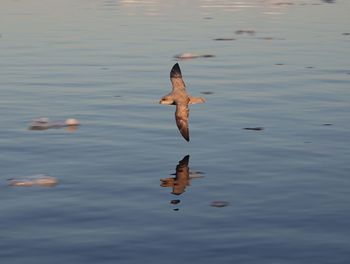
<point x="179" y="97"/>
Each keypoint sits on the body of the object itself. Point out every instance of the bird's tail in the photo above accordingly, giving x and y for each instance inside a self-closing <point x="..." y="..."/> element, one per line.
<point x="196" y="100"/>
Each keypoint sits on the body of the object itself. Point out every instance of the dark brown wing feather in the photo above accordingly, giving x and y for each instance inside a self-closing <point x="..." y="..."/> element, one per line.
<point x="175" y="71"/>
<point x="181" y="116"/>
<point x="176" y="78"/>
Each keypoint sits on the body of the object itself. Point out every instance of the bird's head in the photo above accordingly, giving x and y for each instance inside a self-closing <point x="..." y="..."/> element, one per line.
<point x="167" y="100"/>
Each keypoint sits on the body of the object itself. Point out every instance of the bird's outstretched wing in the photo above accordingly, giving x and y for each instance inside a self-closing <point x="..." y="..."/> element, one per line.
<point x="181" y="116"/>
<point x="176" y="78"/>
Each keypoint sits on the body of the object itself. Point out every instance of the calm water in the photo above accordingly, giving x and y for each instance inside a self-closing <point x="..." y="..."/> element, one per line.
<point x="106" y="63"/>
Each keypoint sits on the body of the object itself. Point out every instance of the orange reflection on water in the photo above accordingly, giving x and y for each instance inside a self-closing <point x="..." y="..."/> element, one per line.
<point x="183" y="177"/>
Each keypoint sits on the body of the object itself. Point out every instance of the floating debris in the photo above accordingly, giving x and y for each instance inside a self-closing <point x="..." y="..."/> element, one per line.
<point x="254" y="128"/>
<point x="327" y="124"/>
<point x="71" y="122"/>
<point x="219" y="204"/>
<point x="279" y="64"/>
<point x="346" y="34"/>
<point x="207" y="93"/>
<point x="247" y="31"/>
<point x="188" y="56"/>
<point x="284" y="3"/>
<point x="270" y="38"/>
<point x="35" y="180"/>
<point x="176" y="201"/>
<point x="224" y="39"/>
<point x="309" y="67"/>
<point x="207" y="56"/>
<point x="267" y="38"/>
<point x="44" y="123"/>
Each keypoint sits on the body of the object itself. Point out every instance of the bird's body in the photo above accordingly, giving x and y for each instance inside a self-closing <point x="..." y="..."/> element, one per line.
<point x="179" y="97"/>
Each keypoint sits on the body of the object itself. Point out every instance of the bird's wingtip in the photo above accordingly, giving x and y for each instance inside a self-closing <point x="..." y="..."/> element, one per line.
<point x="175" y="71"/>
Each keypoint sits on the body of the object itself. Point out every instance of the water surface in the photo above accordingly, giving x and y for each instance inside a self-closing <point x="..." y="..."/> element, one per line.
<point x="284" y="67"/>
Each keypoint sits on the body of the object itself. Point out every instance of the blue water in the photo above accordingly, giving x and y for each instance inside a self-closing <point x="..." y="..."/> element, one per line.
<point x="107" y="63"/>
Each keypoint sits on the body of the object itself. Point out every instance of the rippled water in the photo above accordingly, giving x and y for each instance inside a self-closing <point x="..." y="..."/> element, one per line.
<point x="278" y="194"/>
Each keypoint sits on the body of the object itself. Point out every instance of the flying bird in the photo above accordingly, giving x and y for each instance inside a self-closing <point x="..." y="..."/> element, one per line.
<point x="179" y="97"/>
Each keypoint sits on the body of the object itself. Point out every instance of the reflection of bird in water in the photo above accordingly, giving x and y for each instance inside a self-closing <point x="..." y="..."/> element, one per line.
<point x="182" y="177"/>
<point x="181" y="99"/>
